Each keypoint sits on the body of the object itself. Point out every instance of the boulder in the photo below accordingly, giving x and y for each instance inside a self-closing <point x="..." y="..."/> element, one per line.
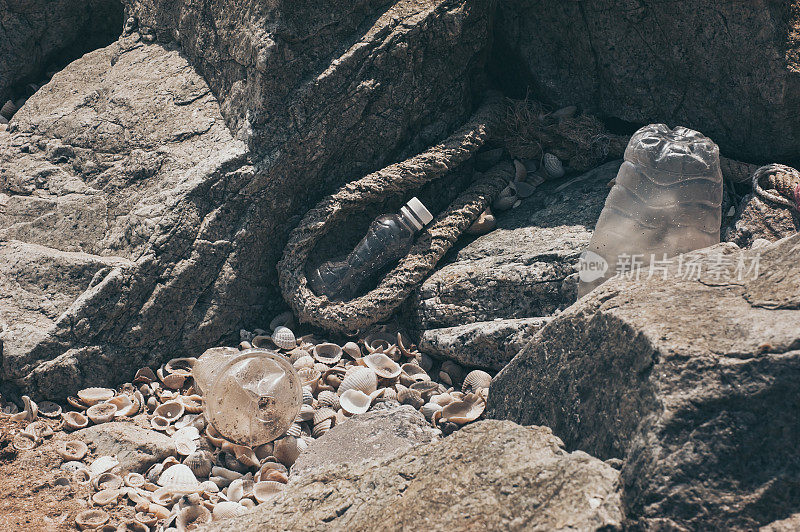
<point x="692" y="380"/>
<point x="522" y="269"/>
<point x="383" y="432"/>
<point x="36" y="35"/>
<point x="173" y="222"/>
<point x="729" y="70"/>
<point x="485" y="344"/>
<point x="789" y="524"/>
<point x="135" y="447"/>
<point x="490" y="475"/>
<point x="756" y="218"/>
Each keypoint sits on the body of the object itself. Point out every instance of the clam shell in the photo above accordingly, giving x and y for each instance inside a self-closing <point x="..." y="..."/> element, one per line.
<point x="287" y="450"/>
<point x="429" y="409"/>
<point x="415" y="372"/>
<point x="178" y="478"/>
<point x="411" y="397"/>
<point x="296" y="354"/>
<point x="107" y="481"/>
<point x="23" y="442"/>
<point x="322" y="427"/>
<point x="324" y="413"/>
<point x="552" y="165"/>
<point x="181" y="366"/>
<point x="264" y="342"/>
<point x="103" y="464"/>
<point x="144" y="376"/>
<point x="199" y="462"/>
<point x="284" y="338"/>
<point x="328" y="399"/>
<point x="267" y="489"/>
<point x="134" y="480"/>
<point x="81" y="476"/>
<point x="305" y="361"/>
<point x="427" y="389"/>
<point x="466" y="411"/>
<point x="171" y="410"/>
<point x="132" y="525"/>
<point x="274" y="475"/>
<point x="174" y="381"/>
<point x="352" y="350"/>
<point x="93" y="518"/>
<point x="306" y="413"/>
<point x="383" y="366"/>
<point x="476" y="380"/>
<point x="101" y="413"/>
<point x="361" y="379"/>
<point x="125" y="405"/>
<point x="193" y="404"/>
<point x="228" y="509"/>
<point x="295" y="430"/>
<point x="92" y="396"/>
<point x="49" y="409"/>
<point x="235" y="491"/>
<point x="442" y="400"/>
<point x="208" y="487"/>
<point x="159" y="423"/>
<point x="75" y="420"/>
<point x="308" y="395"/>
<point x="327" y="353"/>
<point x="72" y="450"/>
<point x="105" y="497"/>
<point x="192" y="517"/>
<point x="355" y="401"/>
<point x="185" y="447"/>
<point x="308" y="376"/>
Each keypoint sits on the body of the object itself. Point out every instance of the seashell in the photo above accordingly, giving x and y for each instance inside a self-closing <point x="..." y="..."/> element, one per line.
<point x="450" y="373"/>
<point x="328" y="399"/>
<point x="327" y="353"/>
<point x="107" y="481"/>
<point x="244" y="455"/>
<point x="389" y="394"/>
<point x="322" y="427"/>
<point x="443" y="399"/>
<point x="49" y="409"/>
<point x="93" y="396"/>
<point x="101" y="413"/>
<point x="81" y="476"/>
<point x="379" y="341"/>
<point x="134" y="480"/>
<point x="8" y="109"/>
<point x="476" y="380"/>
<point x="228" y="509"/>
<point x="29" y="412"/>
<point x="199" y="462"/>
<point x="461" y="412"/>
<point x="185" y="447"/>
<point x="275" y="476"/>
<point x="105" y="497"/>
<point x="131" y="525"/>
<point x="264" y="342"/>
<point x="296" y="354"/>
<point x="72" y="450"/>
<point x="178" y="478"/>
<point x="158" y="511"/>
<point x="410" y="397"/>
<point x="361" y="379"/>
<point x="174" y="381"/>
<point x="284" y="319"/>
<point x="506" y="199"/>
<point x="171" y="410"/>
<point x="429" y="409"/>
<point x="208" y="487"/>
<point x="188" y="432"/>
<point x="483" y="224"/>
<point x="355" y="401"/>
<point x="181" y="366"/>
<point x="306" y="361"/>
<point x="244" y="346"/>
<point x="306" y="413"/>
<point x="352" y="350"/>
<point x="267" y="489"/>
<point x="287" y="450"/>
<point x="416" y="373"/>
<point x="235" y="491"/>
<point x="159" y="423"/>
<point x="146" y="518"/>
<point x="322" y="414"/>
<point x="308" y="395"/>
<point x="75" y="420"/>
<point x="284" y="338"/>
<point x="295" y="430"/>
<point x="72" y="466"/>
<point x="383" y="366"/>
<point x="163" y="497"/>
<point x="308" y="376"/>
<point x="124" y="405"/>
<point x="426" y="389"/>
<point x="192" y="517"/>
<point x="552" y="165"/>
<point x="93" y="518"/>
<point x="103" y="464"/>
<point x="23" y="442"/>
<point x="144" y="376"/>
<point x="218" y="471"/>
<point x="264" y="451"/>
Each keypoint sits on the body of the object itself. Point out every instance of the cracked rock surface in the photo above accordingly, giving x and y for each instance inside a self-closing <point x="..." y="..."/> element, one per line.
<point x="491" y="475"/>
<point x="692" y="381"/>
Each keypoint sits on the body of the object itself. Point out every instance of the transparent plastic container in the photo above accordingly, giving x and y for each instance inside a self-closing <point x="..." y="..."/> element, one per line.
<point x="666" y="201"/>
<point x="389" y="238"/>
<point x="251" y="397"/>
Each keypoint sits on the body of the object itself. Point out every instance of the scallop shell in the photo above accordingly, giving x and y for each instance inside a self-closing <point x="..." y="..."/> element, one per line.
<point x="101" y="413"/>
<point x="49" y="409"/>
<point x="552" y="165"/>
<point x="361" y="379"/>
<point x="429" y="409"/>
<point x="352" y="350"/>
<point x="75" y="420"/>
<point x="93" y="518"/>
<point x="105" y="497"/>
<point x="475" y="380"/>
<point x="284" y="319"/>
<point x="327" y="353"/>
<point x="92" y="396"/>
<point x="134" y="480"/>
<point x="23" y="442"/>
<point x="287" y="450"/>
<point x="284" y="338"/>
<point x="328" y="399"/>
<point x="355" y="402"/>
<point x="228" y="509"/>
<point x="466" y="411"/>
<point x="267" y="489"/>
<point x="192" y="404"/>
<point x="410" y="397"/>
<point x="72" y="450"/>
<point x="383" y="366"/>
<point x="103" y="464"/>
<point x="178" y="478"/>
<point x="305" y="361"/>
<point x="192" y="517"/>
<point x="199" y="462"/>
<point x="171" y="410"/>
<point x="107" y="481"/>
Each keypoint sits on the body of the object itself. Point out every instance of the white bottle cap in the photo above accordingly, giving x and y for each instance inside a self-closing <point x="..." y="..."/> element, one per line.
<point x="420" y="216"/>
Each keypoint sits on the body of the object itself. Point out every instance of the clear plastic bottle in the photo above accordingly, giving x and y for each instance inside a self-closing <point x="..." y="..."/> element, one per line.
<point x="389" y="237"/>
<point x="666" y="201"/>
<point x="251" y="397"/>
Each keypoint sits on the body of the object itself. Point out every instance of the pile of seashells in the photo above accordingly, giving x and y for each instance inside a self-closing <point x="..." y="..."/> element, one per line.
<point x="212" y="478"/>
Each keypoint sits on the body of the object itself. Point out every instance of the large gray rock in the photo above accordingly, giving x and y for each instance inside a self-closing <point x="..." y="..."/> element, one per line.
<point x="381" y="433"/>
<point x="176" y="225"/>
<point x="488" y="476"/>
<point x="38" y="34"/>
<point x="692" y="380"/>
<point x="522" y="269"/>
<point x="136" y="448"/>
<point x="728" y="69"/>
